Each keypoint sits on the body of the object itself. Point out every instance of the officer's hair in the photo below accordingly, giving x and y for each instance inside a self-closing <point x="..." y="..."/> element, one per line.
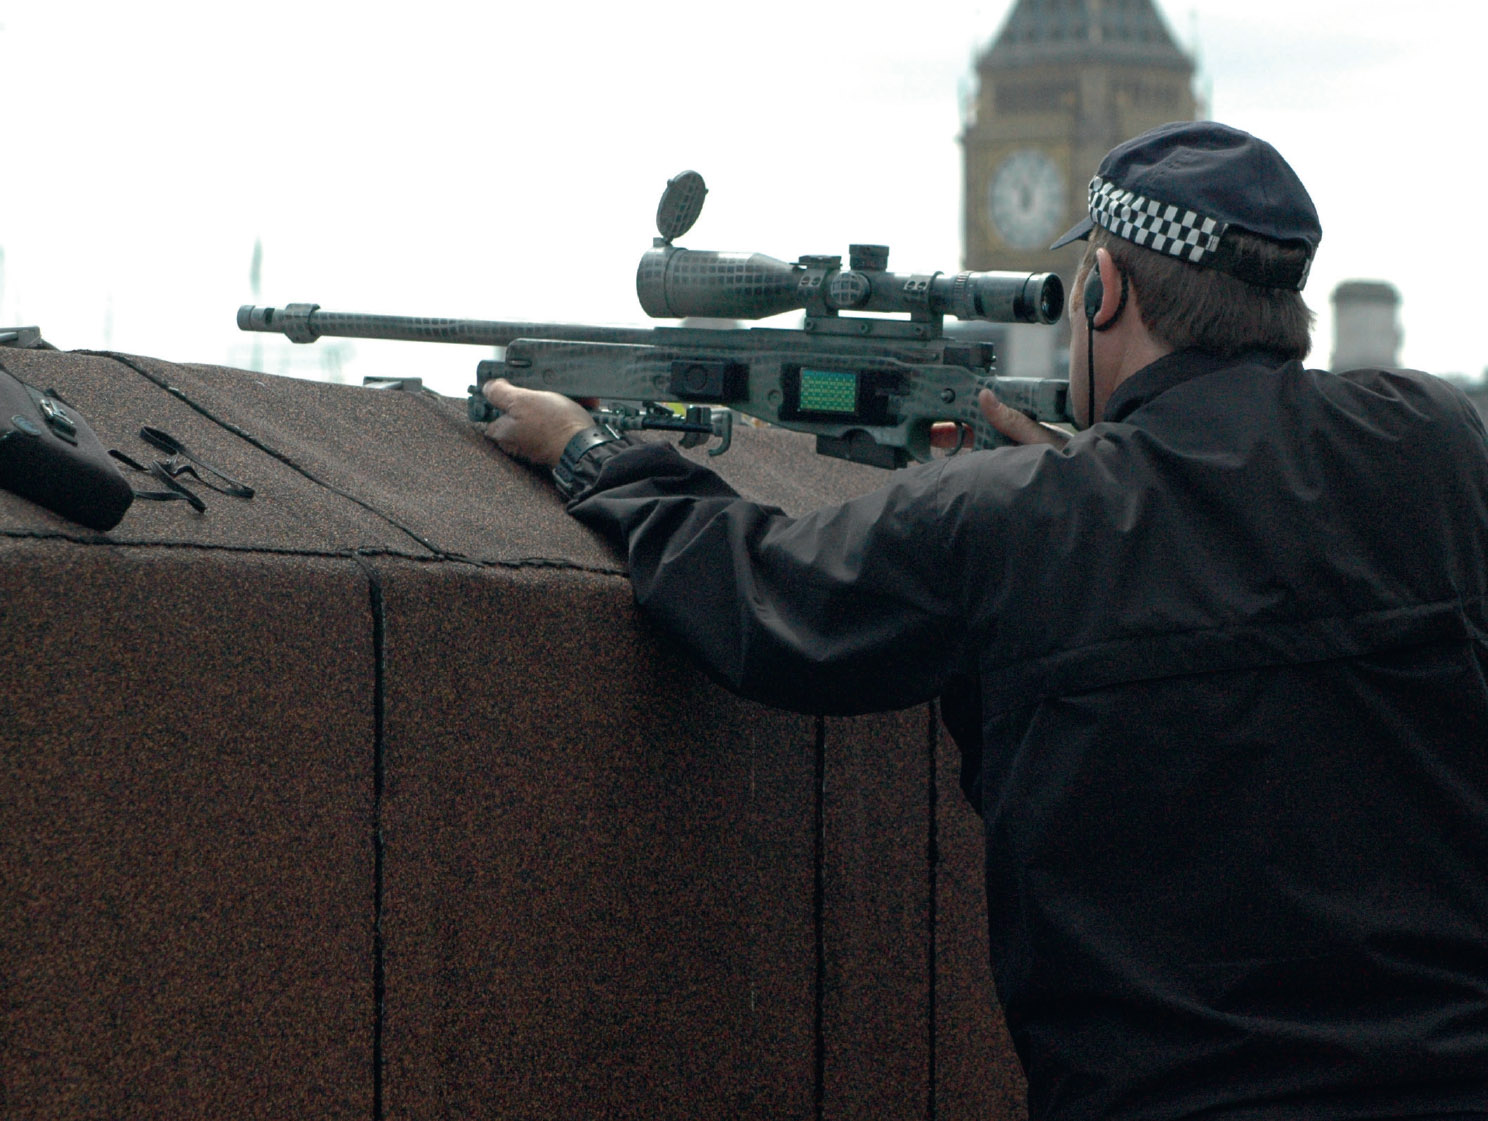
<point x="1187" y="305"/>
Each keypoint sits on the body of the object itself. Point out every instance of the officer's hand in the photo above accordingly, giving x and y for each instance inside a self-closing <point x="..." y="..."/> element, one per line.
<point x="1007" y="420"/>
<point x="1017" y="427"/>
<point x="534" y="425"/>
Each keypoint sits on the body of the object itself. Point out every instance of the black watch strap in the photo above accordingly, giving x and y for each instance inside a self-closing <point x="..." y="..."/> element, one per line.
<point x="566" y="474"/>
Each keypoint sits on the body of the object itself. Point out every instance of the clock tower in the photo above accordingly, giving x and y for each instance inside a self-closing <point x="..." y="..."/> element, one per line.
<point x="1063" y="83"/>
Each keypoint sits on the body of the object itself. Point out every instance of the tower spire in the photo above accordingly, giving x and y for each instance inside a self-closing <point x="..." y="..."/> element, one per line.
<point x="1128" y="31"/>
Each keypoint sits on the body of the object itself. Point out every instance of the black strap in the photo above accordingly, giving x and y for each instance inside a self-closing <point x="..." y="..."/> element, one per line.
<point x="167" y="472"/>
<point x="173" y="491"/>
<point x="173" y="447"/>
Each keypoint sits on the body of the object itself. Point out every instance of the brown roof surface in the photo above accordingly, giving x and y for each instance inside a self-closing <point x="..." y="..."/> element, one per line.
<point x="339" y="468"/>
<point x="371" y="795"/>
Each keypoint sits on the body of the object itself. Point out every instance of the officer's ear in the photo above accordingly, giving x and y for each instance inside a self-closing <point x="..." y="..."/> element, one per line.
<point x="1105" y="292"/>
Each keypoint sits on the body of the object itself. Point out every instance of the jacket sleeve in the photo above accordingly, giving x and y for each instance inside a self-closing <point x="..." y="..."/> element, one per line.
<point x="849" y="609"/>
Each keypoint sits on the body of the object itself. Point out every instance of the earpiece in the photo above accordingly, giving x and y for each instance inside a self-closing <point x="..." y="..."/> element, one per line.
<point x="1095" y="293"/>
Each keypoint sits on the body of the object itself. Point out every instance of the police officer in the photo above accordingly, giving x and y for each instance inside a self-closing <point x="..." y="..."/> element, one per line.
<point x="1217" y="663"/>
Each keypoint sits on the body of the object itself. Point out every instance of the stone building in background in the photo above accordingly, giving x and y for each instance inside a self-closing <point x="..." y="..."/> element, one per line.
<point x="1366" y="325"/>
<point x="1366" y="332"/>
<point x="1063" y="82"/>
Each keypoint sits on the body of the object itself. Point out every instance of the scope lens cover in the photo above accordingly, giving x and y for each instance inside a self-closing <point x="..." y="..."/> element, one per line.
<point x="680" y="205"/>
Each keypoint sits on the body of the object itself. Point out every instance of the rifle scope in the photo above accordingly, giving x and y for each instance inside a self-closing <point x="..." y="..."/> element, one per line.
<point x="675" y="283"/>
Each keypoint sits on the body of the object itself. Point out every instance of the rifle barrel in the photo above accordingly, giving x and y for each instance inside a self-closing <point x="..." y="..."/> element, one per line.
<point x="304" y="323"/>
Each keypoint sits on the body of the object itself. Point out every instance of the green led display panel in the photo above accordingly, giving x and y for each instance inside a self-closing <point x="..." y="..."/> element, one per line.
<point x="828" y="391"/>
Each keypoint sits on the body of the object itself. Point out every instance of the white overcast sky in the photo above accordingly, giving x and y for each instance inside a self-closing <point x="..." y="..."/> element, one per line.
<point x="503" y="160"/>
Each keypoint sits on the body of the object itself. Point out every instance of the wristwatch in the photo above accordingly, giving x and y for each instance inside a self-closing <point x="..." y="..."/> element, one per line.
<point x="566" y="473"/>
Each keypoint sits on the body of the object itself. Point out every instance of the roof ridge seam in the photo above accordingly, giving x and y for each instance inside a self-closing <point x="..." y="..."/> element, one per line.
<point x="331" y="554"/>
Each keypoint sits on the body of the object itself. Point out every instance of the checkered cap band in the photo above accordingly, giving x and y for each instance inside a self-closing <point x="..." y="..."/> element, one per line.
<point x="1155" y="225"/>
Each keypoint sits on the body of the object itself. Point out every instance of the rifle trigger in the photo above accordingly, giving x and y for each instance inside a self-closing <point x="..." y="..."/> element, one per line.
<point x="723" y="428"/>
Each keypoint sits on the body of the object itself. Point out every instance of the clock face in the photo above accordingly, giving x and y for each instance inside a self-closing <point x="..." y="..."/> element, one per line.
<point x="1025" y="199"/>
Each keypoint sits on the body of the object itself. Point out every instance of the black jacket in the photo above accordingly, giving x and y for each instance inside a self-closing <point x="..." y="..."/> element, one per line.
<point x="1227" y="656"/>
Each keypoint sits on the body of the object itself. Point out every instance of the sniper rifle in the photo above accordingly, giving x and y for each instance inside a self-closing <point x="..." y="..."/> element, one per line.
<point x="868" y="387"/>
